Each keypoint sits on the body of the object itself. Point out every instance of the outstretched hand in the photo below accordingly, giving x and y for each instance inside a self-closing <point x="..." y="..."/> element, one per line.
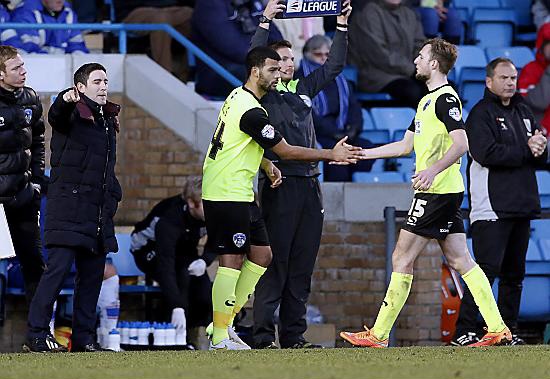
<point x="343" y="153"/>
<point x="71" y="96"/>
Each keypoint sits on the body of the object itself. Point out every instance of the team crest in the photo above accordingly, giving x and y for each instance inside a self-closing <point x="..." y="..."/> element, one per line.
<point x="527" y="123"/>
<point x="455" y="114"/>
<point x="28" y="115"/>
<point x="239" y="239"/>
<point x="268" y="132"/>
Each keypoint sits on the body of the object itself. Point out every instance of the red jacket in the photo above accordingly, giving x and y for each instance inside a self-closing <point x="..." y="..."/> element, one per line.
<point x="531" y="74"/>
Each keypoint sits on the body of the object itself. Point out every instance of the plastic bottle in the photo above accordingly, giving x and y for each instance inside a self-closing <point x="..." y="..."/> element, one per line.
<point x="143" y="334"/>
<point x="113" y="340"/>
<point x="181" y="336"/>
<point x="170" y="338"/>
<point x="159" y="335"/>
<point x="124" y="333"/>
<point x="133" y="333"/>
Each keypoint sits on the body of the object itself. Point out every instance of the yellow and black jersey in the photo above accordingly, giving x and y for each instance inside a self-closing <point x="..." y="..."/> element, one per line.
<point x="438" y="114"/>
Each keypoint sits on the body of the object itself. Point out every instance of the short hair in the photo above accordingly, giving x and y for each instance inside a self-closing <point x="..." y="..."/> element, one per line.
<point x="192" y="189"/>
<point x="316" y="42"/>
<point x="83" y="73"/>
<point x="280" y="44"/>
<point x="445" y="53"/>
<point x="490" y="68"/>
<point x="257" y="56"/>
<point x="6" y="53"/>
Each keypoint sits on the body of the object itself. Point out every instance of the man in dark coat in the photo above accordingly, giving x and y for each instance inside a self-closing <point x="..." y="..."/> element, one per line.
<point x="83" y="196"/>
<point x="21" y="164"/>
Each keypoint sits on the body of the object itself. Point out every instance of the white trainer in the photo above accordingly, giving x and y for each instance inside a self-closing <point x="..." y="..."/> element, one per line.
<point x="227" y="344"/>
<point x="232" y="336"/>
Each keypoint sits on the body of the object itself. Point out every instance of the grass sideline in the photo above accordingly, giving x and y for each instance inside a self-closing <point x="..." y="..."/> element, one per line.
<point x="412" y="362"/>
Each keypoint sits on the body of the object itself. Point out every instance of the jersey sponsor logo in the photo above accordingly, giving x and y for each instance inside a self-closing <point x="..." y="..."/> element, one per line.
<point x="427" y="104"/>
<point x="450" y="99"/>
<point x="527" y="123"/>
<point x="454" y="112"/>
<point x="268" y="132"/>
<point x="417" y="125"/>
<point x="307" y="100"/>
<point x="239" y="239"/>
<point x="502" y="124"/>
<point x="150" y="255"/>
<point x="28" y="115"/>
<point x="443" y="230"/>
<point x="230" y="303"/>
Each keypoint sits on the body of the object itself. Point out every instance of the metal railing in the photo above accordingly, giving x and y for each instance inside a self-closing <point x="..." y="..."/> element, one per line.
<point x="122" y="31"/>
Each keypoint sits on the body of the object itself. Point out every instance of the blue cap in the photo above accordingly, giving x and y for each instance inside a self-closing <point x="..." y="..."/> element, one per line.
<point x="114" y="331"/>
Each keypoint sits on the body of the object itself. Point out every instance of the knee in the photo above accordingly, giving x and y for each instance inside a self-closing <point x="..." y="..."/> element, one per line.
<point x="461" y="264"/>
<point x="401" y="262"/>
<point x="264" y="259"/>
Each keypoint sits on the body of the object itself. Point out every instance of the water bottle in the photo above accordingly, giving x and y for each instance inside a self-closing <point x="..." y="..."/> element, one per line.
<point x="124" y="333"/>
<point x="159" y="335"/>
<point x="181" y="336"/>
<point x="143" y="334"/>
<point x="113" y="340"/>
<point x="133" y="333"/>
<point x="170" y="338"/>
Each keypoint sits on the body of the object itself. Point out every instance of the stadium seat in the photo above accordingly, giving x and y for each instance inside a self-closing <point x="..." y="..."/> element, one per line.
<point x="378" y="137"/>
<point x="522" y="9"/>
<point x="465" y="114"/>
<point x="392" y="119"/>
<point x="405" y="165"/>
<point x="368" y="124"/>
<point x="493" y="27"/>
<point x="533" y="251"/>
<point x="470" y="248"/>
<point x="471" y="93"/>
<point x="543" y="179"/>
<point x="378" y="177"/>
<point x="124" y="260"/>
<point x="540" y="229"/>
<point x="367" y="96"/>
<point x="398" y="134"/>
<point x="520" y="55"/>
<point x="470" y="5"/>
<point x="350" y="73"/>
<point x="470" y="65"/>
<point x="378" y="166"/>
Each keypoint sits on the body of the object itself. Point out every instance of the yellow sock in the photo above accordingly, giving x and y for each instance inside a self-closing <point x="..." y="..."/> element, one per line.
<point x="249" y="277"/>
<point x="396" y="295"/>
<point x="480" y="288"/>
<point x="223" y="301"/>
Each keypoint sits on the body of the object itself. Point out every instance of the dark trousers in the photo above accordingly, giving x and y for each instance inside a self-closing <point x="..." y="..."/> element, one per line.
<point x="293" y="214"/>
<point x="500" y="248"/>
<point x="25" y="235"/>
<point x="89" y="276"/>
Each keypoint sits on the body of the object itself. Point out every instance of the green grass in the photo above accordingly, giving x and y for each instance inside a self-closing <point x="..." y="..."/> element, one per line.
<point x="403" y="363"/>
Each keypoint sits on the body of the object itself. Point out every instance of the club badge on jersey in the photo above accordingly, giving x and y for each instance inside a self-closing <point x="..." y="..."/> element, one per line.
<point x="311" y="8"/>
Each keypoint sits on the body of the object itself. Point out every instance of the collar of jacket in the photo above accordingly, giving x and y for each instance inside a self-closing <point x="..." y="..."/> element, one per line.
<point x="287" y="87"/>
<point x="10" y="96"/>
<point x="88" y="108"/>
<point x="43" y="9"/>
<point x="517" y="98"/>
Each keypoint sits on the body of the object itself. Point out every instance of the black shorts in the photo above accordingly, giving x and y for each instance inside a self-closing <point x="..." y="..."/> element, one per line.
<point x="435" y="215"/>
<point x="233" y="226"/>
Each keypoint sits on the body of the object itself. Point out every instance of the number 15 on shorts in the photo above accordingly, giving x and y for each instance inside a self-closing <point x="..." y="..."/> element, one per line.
<point x="416" y="211"/>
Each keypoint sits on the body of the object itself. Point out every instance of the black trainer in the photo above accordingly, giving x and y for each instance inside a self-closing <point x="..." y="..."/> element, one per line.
<point x="89" y="348"/>
<point x="516" y="340"/>
<point x="267" y="345"/>
<point x="465" y="339"/>
<point x="305" y="345"/>
<point x="44" y="345"/>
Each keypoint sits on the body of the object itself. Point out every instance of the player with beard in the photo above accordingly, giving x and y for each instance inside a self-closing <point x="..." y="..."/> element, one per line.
<point x="439" y="140"/>
<point x="231" y="215"/>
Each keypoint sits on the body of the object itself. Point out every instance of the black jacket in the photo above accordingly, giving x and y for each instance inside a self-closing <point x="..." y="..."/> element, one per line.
<point x="289" y="110"/>
<point x="501" y="167"/>
<point x="21" y="146"/>
<point x="170" y="235"/>
<point x="84" y="192"/>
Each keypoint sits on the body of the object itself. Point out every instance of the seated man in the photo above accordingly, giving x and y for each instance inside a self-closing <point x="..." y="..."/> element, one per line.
<point x="48" y="41"/>
<point x="336" y="111"/>
<point x="164" y="246"/>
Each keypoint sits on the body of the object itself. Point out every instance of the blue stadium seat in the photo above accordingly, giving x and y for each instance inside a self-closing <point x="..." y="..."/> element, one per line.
<point x="465" y="114"/>
<point x="398" y="134"/>
<point x="470" y="65"/>
<point x="540" y="229"/>
<point x="378" y="137"/>
<point x="470" y="248"/>
<point x="368" y="124"/>
<point x="124" y="260"/>
<point x="470" y="5"/>
<point x="367" y="96"/>
<point x="535" y="299"/>
<point x="378" y="166"/>
<point x="350" y="73"/>
<point x="378" y="177"/>
<point x="522" y="9"/>
<point x="392" y="119"/>
<point x="520" y="55"/>
<point x="406" y="165"/>
<point x="493" y="27"/>
<point x="543" y="179"/>
<point x="471" y="93"/>
<point x="533" y="252"/>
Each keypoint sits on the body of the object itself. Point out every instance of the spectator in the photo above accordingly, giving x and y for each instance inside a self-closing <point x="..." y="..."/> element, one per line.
<point x="5" y="35"/>
<point x="336" y="111"/>
<point x="83" y="197"/>
<point x="48" y="41"/>
<point x="541" y="12"/>
<point x="534" y="80"/>
<point x="298" y="30"/>
<point x="506" y="147"/>
<point x="176" y="13"/>
<point x="236" y="23"/>
<point x="385" y="37"/>
<point x="164" y="246"/>
<point x="22" y="164"/>
<point x="437" y="16"/>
